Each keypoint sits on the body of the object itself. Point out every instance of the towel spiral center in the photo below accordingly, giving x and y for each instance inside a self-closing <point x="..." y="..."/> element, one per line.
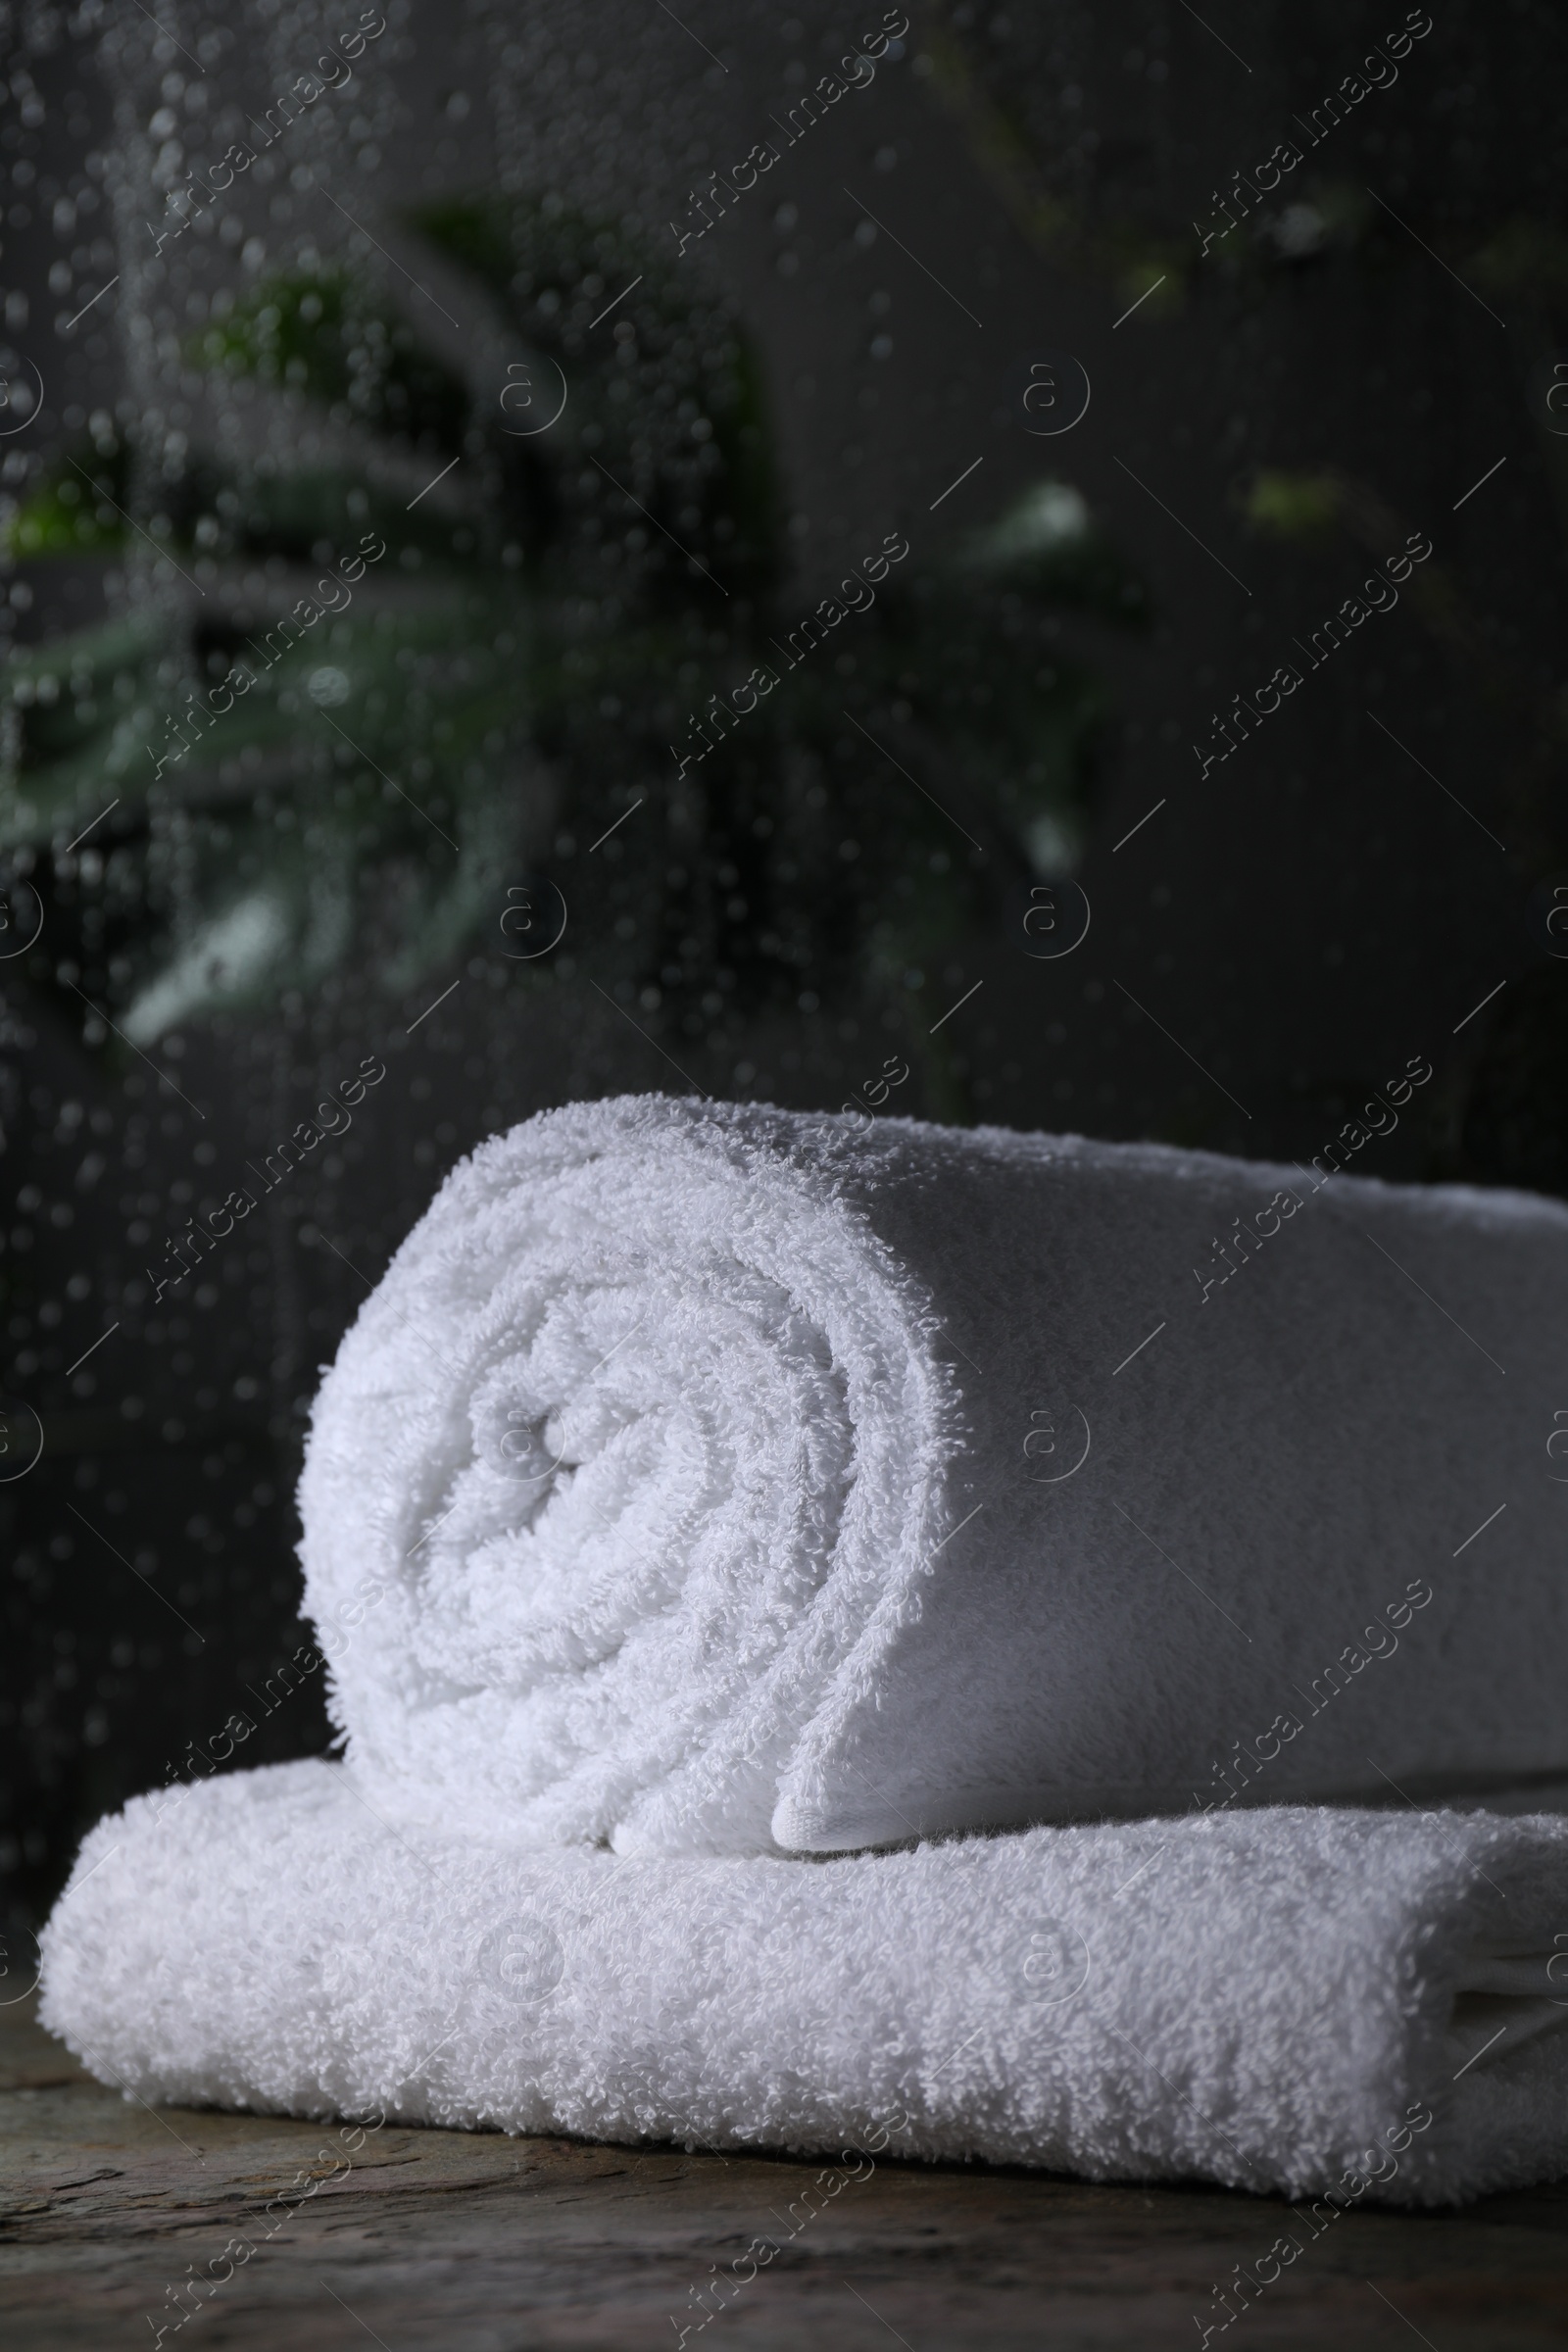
<point x="630" y="1455"/>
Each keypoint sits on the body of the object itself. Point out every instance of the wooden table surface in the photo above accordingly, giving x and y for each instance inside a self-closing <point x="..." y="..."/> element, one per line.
<point x="455" y="2241"/>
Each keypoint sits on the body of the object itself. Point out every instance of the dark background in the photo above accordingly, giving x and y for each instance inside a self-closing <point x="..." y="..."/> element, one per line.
<point x="1294" y="928"/>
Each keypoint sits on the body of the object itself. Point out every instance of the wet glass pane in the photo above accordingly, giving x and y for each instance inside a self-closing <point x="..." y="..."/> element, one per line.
<point x="992" y="565"/>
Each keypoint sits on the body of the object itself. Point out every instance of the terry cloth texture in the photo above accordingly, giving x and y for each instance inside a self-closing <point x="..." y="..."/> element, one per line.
<point x="724" y="1480"/>
<point x="1314" y="2001"/>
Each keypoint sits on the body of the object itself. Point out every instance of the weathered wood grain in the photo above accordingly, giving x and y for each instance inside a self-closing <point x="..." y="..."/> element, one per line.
<point x="451" y="2241"/>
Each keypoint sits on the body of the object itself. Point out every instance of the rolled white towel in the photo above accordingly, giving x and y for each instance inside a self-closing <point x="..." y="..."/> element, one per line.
<point x="712" y="1478"/>
<point x="1360" y="2005"/>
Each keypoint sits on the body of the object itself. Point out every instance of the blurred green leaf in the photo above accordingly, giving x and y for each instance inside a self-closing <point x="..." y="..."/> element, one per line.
<point x="507" y="689"/>
<point x="75" y="508"/>
<point x="324" y="334"/>
<point x="1292" y="506"/>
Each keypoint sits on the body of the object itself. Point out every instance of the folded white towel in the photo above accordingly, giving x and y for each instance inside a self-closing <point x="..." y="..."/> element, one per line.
<point x="717" y="1478"/>
<point x="1313" y="2001"/>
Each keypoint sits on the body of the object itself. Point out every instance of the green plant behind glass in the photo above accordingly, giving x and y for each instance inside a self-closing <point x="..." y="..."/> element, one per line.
<point x="519" y="668"/>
